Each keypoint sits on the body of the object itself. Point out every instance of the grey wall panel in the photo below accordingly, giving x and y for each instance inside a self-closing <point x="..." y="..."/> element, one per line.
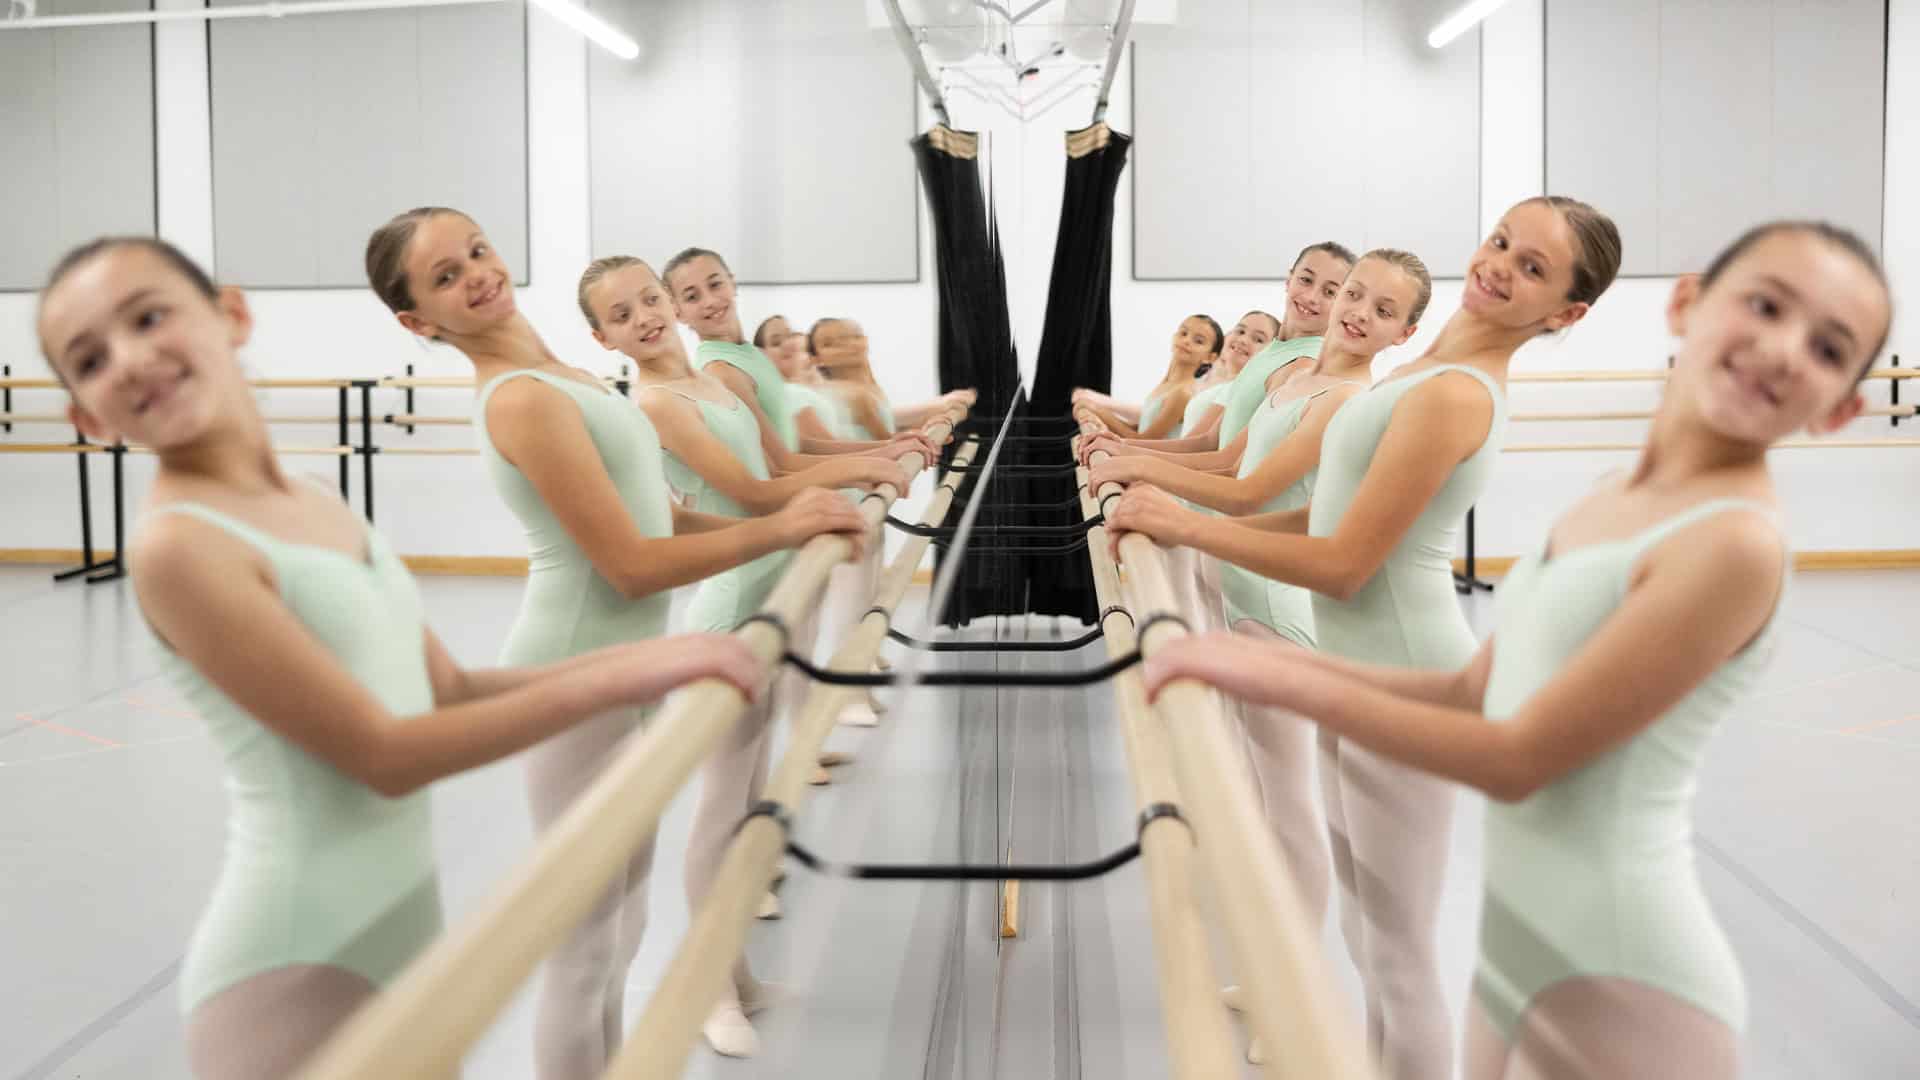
<point x="1715" y="125"/>
<point x="1829" y="111"/>
<point x="773" y="133"/>
<point x="325" y="127"/>
<point x="1262" y="128"/>
<point x="76" y="138"/>
<point x="1601" y="143"/>
<point x="1422" y="124"/>
<point x="1690" y="120"/>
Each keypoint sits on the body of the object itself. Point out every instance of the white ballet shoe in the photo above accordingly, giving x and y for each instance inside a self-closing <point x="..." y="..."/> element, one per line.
<point x="769" y="907"/>
<point x="1234" y="998"/>
<point x="758" y="997"/>
<point x="729" y="1033"/>
<point x="860" y="714"/>
<point x="831" y="758"/>
<point x="821" y="777"/>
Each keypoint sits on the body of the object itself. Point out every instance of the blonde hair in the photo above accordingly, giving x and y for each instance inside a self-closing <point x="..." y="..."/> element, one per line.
<point x="1409" y="264"/>
<point x="597" y="269"/>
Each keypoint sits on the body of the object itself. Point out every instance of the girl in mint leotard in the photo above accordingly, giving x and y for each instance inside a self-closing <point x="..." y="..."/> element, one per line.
<point x="582" y="470"/>
<point x="1215" y="445"/>
<point x="1623" y="639"/>
<point x="1399" y="467"/>
<point x="298" y="636"/>
<point x="1197" y="342"/>
<point x="715" y="465"/>
<point x="1378" y="306"/>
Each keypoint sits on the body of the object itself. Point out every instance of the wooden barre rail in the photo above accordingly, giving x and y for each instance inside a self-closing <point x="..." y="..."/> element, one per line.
<point x="1785" y="444"/>
<point x="658" y="1045"/>
<point x="1882" y="410"/>
<point x="424" y="1022"/>
<point x="392" y="420"/>
<point x="1660" y="375"/>
<point x="1199" y="1041"/>
<point x="1306" y="1032"/>
<point x="97" y="448"/>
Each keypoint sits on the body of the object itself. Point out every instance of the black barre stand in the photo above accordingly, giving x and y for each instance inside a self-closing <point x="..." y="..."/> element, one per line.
<point x="97" y="571"/>
<point x="1467" y="583"/>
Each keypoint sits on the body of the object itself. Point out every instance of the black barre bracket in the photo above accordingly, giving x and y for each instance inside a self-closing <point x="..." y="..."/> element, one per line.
<point x="1088" y="677"/>
<point x="783" y="817"/>
<point x="1022" y="549"/>
<point x="997" y="530"/>
<point x="1067" y="645"/>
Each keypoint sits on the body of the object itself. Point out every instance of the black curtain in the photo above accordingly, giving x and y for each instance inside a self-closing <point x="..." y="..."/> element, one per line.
<point x="1076" y="349"/>
<point x="976" y="340"/>
<point x="976" y="334"/>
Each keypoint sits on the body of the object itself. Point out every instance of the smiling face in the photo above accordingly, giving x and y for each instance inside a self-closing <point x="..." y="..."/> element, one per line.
<point x="459" y="284"/>
<point x="1374" y="308"/>
<point x="147" y="355"/>
<point x="1311" y="287"/>
<point x="703" y="297"/>
<point x="1778" y="341"/>
<point x="634" y="314"/>
<point x="1193" y="341"/>
<point x="1254" y="331"/>
<point x="1522" y="274"/>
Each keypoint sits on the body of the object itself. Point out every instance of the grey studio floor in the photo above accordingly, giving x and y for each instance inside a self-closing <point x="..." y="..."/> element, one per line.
<point x="111" y="824"/>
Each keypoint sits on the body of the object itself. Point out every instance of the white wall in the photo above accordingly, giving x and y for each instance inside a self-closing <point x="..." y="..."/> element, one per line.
<point x="1838" y="499"/>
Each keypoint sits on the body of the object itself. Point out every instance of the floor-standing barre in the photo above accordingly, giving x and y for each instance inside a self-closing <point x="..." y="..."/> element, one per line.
<point x="1199" y="1041"/>
<point x="658" y="1045"/>
<point x="423" y="1023"/>
<point x="1306" y="1031"/>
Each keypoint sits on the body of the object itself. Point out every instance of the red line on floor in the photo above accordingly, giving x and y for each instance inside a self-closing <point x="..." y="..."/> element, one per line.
<point x="67" y="730"/>
<point x="1877" y="725"/>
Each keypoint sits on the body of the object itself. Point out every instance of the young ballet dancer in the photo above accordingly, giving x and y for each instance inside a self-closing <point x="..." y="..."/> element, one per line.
<point x="298" y="636"/>
<point x="1623" y="639"/>
<point x="1399" y="467"/>
<point x="839" y="349"/>
<point x="1197" y="342"/>
<point x="715" y="464"/>
<point x="704" y="299"/>
<point x="1378" y="307"/>
<point x="582" y="469"/>
<point x="1311" y="286"/>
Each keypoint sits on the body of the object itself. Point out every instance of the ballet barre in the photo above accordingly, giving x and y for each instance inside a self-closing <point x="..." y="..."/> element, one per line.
<point x="1660" y="375"/>
<point x="1306" y="1032"/>
<point x="423" y="1023"/>
<point x="661" y="1039"/>
<point x="1199" y="1040"/>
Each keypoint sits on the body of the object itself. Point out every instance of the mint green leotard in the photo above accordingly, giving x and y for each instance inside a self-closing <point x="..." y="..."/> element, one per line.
<point x="568" y="608"/>
<point x="1407" y="614"/>
<point x="1593" y="875"/>
<point x="319" y="868"/>
<point x="1285" y="609"/>
<point x="1150" y="409"/>
<point x="830" y="410"/>
<point x="1250" y="386"/>
<point x="769" y="386"/>
<point x="1200" y="402"/>
<point x="726" y="598"/>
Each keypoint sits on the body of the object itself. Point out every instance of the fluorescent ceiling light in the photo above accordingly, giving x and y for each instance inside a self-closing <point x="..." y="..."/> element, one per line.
<point x="574" y="16"/>
<point x="596" y="29"/>
<point x="1461" y="21"/>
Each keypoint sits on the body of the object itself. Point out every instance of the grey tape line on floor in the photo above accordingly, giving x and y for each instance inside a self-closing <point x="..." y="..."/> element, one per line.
<point x="47" y="1066"/>
<point x="1860" y="969"/>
